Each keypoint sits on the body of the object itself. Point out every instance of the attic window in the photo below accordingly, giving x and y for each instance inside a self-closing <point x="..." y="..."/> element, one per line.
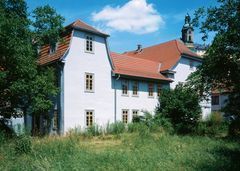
<point x="53" y="48"/>
<point x="89" y="44"/>
<point x="191" y="64"/>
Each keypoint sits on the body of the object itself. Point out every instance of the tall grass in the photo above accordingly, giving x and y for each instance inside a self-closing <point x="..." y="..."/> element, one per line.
<point x="132" y="151"/>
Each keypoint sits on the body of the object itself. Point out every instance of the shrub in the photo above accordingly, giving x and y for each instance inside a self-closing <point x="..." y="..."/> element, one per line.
<point x="115" y="128"/>
<point x="214" y="125"/>
<point x="181" y="106"/>
<point x="23" y="144"/>
<point x="2" y="137"/>
<point x="234" y="128"/>
<point x="94" y="130"/>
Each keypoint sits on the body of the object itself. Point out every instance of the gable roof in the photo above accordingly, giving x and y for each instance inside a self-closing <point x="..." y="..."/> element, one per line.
<point x="46" y="58"/>
<point x="131" y="66"/>
<point x="168" y="53"/>
<point x="80" y="25"/>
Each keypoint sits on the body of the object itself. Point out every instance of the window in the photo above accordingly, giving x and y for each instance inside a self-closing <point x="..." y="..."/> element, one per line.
<point x="134" y="114"/>
<point x="89" y="44"/>
<point x="189" y="38"/>
<point x="53" y="48"/>
<point x="191" y="64"/>
<point x="215" y="100"/>
<point x="150" y="89"/>
<point x="125" y="116"/>
<point x="89" y="81"/>
<point x="89" y="117"/>
<point x="159" y="89"/>
<point x="55" y="120"/>
<point x="124" y="87"/>
<point x="135" y="88"/>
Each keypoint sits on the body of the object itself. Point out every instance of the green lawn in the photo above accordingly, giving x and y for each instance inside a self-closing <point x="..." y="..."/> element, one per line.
<point x="124" y="152"/>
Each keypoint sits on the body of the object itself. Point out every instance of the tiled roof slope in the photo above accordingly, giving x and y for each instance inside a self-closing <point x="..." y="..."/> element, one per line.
<point x="131" y="66"/>
<point x="168" y="53"/>
<point x="46" y="58"/>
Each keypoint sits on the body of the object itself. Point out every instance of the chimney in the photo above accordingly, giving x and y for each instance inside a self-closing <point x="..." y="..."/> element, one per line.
<point x="139" y="48"/>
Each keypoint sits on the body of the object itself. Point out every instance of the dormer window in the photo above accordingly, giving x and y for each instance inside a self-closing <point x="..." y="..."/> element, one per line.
<point x="89" y="45"/>
<point x="53" y="48"/>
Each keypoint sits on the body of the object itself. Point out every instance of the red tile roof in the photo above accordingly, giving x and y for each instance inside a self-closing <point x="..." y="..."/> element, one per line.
<point x="167" y="53"/>
<point x="46" y="58"/>
<point x="131" y="66"/>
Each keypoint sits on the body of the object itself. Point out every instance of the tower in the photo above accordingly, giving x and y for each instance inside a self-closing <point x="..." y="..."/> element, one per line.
<point x="188" y="32"/>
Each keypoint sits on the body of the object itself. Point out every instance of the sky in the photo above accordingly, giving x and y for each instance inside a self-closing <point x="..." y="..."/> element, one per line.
<point x="130" y="22"/>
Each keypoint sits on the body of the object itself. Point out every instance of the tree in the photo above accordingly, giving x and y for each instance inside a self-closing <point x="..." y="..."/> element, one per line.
<point x="25" y="86"/>
<point x="181" y="106"/>
<point x="221" y="63"/>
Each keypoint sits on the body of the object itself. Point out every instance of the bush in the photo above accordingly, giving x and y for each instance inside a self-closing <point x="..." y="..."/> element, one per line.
<point x="115" y="128"/>
<point x="181" y="106"/>
<point x="23" y="144"/>
<point x="234" y="128"/>
<point x="94" y="130"/>
<point x="2" y="137"/>
<point x="214" y="125"/>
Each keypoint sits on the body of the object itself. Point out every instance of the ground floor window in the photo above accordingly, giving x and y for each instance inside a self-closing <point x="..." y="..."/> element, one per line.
<point x="215" y="100"/>
<point x="134" y="114"/>
<point x="55" y="120"/>
<point x="89" y="117"/>
<point x="125" y="116"/>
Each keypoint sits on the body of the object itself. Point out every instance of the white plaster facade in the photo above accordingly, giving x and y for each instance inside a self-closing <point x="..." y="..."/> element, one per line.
<point x="183" y="69"/>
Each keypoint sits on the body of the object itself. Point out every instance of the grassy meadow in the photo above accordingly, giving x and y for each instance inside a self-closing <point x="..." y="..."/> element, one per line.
<point x="126" y="151"/>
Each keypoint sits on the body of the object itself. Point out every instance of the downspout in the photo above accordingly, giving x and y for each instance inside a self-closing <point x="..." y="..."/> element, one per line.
<point x="61" y="118"/>
<point x="115" y="99"/>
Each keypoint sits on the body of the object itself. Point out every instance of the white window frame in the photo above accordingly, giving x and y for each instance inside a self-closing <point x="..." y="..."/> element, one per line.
<point x="159" y="87"/>
<point x="85" y="117"/>
<point x="85" y="82"/>
<point x="85" y="44"/>
<point x="126" y="110"/>
<point x="127" y="82"/>
<point x="135" y="95"/>
<point x="135" y="110"/>
<point x="149" y="91"/>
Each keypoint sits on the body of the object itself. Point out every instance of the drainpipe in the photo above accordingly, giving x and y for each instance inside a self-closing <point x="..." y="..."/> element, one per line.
<point x="115" y="99"/>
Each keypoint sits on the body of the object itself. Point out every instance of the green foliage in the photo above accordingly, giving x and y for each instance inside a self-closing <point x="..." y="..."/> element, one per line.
<point x="214" y="125"/>
<point x="156" y="152"/>
<point x="94" y="130"/>
<point x="47" y="25"/>
<point x="234" y="128"/>
<point x="181" y="107"/>
<point x="25" y="86"/>
<point x="221" y="67"/>
<point x="116" y="128"/>
<point x="23" y="144"/>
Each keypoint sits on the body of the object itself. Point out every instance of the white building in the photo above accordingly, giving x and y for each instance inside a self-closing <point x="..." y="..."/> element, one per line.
<point x="100" y="87"/>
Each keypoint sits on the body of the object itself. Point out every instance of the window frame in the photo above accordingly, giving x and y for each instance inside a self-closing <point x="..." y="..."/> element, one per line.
<point x="151" y="96"/>
<point x="137" y="85"/>
<point x="93" y="118"/>
<point x="85" y="82"/>
<point x="214" y="101"/>
<point x="127" y="84"/>
<point x="135" y="110"/>
<point x="125" y="110"/>
<point x="159" y="89"/>
<point x="85" y="43"/>
<point x="53" y="48"/>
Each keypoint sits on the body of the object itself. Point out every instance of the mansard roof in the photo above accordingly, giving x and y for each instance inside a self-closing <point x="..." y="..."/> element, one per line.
<point x="136" y="67"/>
<point x="168" y="53"/>
<point x="45" y="57"/>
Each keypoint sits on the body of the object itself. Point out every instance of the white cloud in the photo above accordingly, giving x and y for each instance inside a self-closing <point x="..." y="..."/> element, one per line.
<point x="136" y="16"/>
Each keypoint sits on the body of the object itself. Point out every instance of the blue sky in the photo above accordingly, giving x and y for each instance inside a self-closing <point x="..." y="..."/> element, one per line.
<point x="129" y="23"/>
